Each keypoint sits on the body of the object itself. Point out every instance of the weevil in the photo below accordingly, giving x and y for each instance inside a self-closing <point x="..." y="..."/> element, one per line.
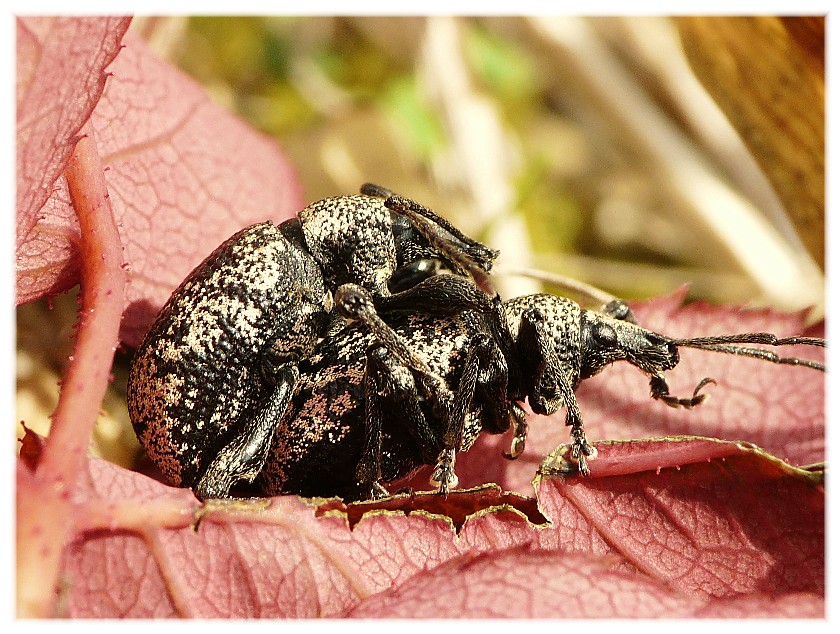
<point x="365" y="415"/>
<point x="219" y="364"/>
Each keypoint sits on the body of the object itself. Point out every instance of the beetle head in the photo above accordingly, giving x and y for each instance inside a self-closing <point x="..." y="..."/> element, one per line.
<point x="605" y="340"/>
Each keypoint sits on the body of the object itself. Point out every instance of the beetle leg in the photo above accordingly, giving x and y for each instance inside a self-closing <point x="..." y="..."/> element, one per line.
<point x="553" y="390"/>
<point x="387" y="379"/>
<point x="243" y="457"/>
<point x="467" y="256"/>
<point x="454" y="245"/>
<point x="443" y="477"/>
<point x="369" y="467"/>
<point x="520" y="432"/>
<point x="438" y="294"/>
<point x="550" y="386"/>
<point x="353" y="301"/>
<point x="579" y="450"/>
<point x="377" y="191"/>
<point x="484" y="371"/>
<point x="570" y="459"/>
<point x="659" y="391"/>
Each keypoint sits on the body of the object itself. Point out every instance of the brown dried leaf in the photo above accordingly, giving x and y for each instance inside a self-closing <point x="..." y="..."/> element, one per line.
<point x="767" y="74"/>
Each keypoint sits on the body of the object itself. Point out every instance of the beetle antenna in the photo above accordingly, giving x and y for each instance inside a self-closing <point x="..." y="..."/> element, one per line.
<point x="727" y="344"/>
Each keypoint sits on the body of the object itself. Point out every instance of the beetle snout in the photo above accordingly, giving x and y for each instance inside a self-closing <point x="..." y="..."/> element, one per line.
<point x="672" y="357"/>
<point x="664" y="353"/>
<point x="654" y="353"/>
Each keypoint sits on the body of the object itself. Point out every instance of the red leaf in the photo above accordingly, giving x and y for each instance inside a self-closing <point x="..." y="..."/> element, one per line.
<point x="60" y="77"/>
<point x="521" y="582"/>
<point x="185" y="173"/>
<point x="182" y="173"/>
<point x="524" y="583"/>
<point x="718" y="526"/>
<point x="708" y="539"/>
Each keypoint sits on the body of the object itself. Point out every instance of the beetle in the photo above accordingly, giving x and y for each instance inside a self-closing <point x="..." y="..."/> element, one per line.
<point x="365" y="415"/>
<point x="219" y="364"/>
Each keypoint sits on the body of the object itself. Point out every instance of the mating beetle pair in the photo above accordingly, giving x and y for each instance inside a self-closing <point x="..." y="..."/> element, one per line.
<point x="250" y="371"/>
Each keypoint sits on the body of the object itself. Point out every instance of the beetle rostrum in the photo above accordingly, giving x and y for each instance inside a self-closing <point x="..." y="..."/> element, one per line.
<point x="219" y="364"/>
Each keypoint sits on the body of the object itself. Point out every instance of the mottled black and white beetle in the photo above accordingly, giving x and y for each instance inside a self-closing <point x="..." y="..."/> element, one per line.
<point x="219" y="364"/>
<point x="364" y="415"/>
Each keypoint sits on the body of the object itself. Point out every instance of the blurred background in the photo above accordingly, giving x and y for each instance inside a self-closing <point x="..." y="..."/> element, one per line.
<point x="585" y="147"/>
<point x="635" y="154"/>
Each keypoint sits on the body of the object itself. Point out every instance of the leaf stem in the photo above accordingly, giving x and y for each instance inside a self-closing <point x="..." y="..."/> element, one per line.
<point x="48" y="524"/>
<point x="102" y="297"/>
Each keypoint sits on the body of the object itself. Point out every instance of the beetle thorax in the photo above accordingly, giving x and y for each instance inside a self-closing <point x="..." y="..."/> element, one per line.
<point x="553" y="320"/>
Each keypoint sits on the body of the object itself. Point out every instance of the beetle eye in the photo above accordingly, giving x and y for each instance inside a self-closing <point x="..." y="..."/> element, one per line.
<point x="604" y="335"/>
